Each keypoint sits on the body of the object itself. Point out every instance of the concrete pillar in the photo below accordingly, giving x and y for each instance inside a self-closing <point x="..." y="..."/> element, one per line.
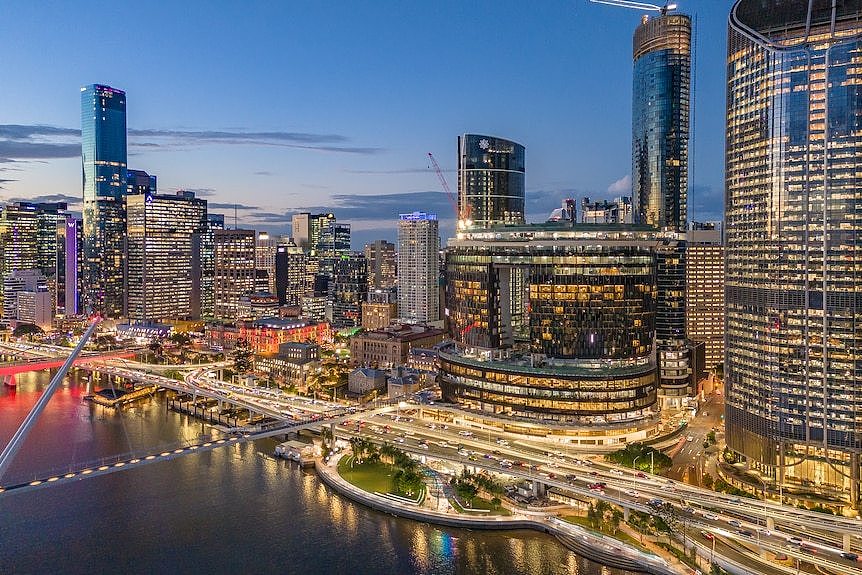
<point x="626" y="512"/>
<point x="770" y="524"/>
<point x="845" y="541"/>
<point x="332" y="432"/>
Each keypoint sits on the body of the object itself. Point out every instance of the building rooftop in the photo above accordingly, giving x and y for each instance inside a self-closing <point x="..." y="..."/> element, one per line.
<point x="522" y="365"/>
<point x="403" y="332"/>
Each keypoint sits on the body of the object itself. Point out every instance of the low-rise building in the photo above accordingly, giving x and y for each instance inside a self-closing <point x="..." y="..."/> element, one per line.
<point x="258" y="305"/>
<point x="389" y="347"/>
<point x="365" y="379"/>
<point x="265" y="335"/>
<point x="289" y="367"/>
<point x="378" y="315"/>
<point x="403" y="383"/>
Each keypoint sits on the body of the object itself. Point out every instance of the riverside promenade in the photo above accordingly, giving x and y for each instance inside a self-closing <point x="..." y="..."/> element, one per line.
<point x="591" y="545"/>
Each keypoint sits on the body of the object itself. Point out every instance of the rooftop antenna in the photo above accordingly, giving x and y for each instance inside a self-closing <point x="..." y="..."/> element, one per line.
<point x="638" y="5"/>
<point x="235" y="226"/>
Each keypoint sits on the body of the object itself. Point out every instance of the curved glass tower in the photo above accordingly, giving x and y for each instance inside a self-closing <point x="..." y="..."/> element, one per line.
<point x="660" y="120"/>
<point x="490" y="181"/>
<point x="793" y="218"/>
<point x="103" y="158"/>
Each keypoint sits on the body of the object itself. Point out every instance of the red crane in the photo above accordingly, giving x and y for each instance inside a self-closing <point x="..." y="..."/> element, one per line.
<point x="452" y="199"/>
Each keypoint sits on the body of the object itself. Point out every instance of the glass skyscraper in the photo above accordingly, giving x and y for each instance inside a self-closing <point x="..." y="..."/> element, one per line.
<point x="660" y="120"/>
<point x="793" y="212"/>
<point x="660" y="126"/>
<point x="103" y="157"/>
<point x="490" y="181"/>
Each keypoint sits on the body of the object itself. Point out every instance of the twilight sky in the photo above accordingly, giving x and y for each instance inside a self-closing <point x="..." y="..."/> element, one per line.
<point x="292" y="105"/>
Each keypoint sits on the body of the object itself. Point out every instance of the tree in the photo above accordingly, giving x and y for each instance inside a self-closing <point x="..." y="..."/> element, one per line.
<point x="27" y="330"/>
<point x="156" y="348"/>
<point x="242" y="357"/>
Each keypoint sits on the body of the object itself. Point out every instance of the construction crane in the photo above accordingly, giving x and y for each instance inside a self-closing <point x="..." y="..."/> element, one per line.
<point x="637" y="5"/>
<point x="452" y="199"/>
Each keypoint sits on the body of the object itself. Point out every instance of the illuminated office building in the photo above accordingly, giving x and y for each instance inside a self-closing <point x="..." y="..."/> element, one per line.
<point x="490" y="181"/>
<point x="265" y="252"/>
<point x="103" y="156"/>
<point x="794" y="120"/>
<point x="289" y="273"/>
<point x="234" y="271"/>
<point x="348" y="289"/>
<point x="160" y="230"/>
<point x="418" y="267"/>
<point x="203" y="268"/>
<point x="704" y="294"/>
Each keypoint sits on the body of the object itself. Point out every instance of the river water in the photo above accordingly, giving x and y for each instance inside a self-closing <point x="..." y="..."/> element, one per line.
<point x="232" y="510"/>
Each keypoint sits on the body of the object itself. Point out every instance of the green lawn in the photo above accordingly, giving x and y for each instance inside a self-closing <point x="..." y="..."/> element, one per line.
<point x="369" y="477"/>
<point x="480" y="504"/>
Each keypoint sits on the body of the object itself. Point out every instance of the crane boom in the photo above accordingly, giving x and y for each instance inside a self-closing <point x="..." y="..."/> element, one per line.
<point x="637" y="5"/>
<point x="452" y="199"/>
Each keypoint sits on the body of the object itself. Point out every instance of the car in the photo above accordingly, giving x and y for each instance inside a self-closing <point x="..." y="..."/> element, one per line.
<point x="690" y="438"/>
<point x="850" y="555"/>
<point x="745" y="532"/>
<point x="423" y="445"/>
<point x="707" y="535"/>
<point x="794" y="540"/>
<point x="596" y="486"/>
<point x="734" y="523"/>
<point x="710" y="516"/>
<point x="465" y="433"/>
<point x="641" y="474"/>
<point x="633" y="493"/>
<point x="616" y="472"/>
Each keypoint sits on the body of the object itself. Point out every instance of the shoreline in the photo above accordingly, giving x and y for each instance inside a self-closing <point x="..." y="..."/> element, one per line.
<point x="601" y="549"/>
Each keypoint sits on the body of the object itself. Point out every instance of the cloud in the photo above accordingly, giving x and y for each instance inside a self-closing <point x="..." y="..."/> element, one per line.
<point x="34" y="142"/>
<point x="199" y="192"/>
<point x="349" y="207"/>
<point x="49" y="198"/>
<point x="705" y="203"/>
<point x="229" y="206"/>
<point x="262" y="173"/>
<point x="426" y="170"/>
<point x="622" y="186"/>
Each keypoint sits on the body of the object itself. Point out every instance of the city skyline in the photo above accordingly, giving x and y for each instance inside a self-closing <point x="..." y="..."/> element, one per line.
<point x="361" y="157"/>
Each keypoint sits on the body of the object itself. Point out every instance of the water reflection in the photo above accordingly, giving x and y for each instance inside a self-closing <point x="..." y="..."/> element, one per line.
<point x="231" y="510"/>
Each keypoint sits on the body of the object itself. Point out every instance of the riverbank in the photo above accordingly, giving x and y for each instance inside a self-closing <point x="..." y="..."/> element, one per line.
<point x="598" y="548"/>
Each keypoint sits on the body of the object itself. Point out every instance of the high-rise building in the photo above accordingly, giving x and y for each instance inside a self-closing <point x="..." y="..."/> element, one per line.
<point x="289" y="274"/>
<point x="203" y="268"/>
<point x="265" y="251"/>
<point x="660" y="120"/>
<point x="104" y="158"/>
<point x="26" y="299"/>
<point x="418" y="267"/>
<point x="616" y="211"/>
<point x="380" y="256"/>
<point x="334" y="243"/>
<point x="490" y="181"/>
<point x="140" y="182"/>
<point x="69" y="242"/>
<point x="234" y="271"/>
<point x="348" y="289"/>
<point x="660" y="132"/>
<point x="160" y="230"/>
<point x="793" y="372"/>
<point x="306" y="228"/>
<point x="704" y="294"/>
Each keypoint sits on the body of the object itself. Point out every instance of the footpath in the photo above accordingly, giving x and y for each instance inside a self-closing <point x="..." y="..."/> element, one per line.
<point x="596" y="547"/>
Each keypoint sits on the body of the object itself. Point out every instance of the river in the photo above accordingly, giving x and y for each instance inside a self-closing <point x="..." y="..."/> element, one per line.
<point x="232" y="510"/>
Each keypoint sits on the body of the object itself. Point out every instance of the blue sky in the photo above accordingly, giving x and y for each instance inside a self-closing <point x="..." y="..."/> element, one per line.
<point x="284" y="106"/>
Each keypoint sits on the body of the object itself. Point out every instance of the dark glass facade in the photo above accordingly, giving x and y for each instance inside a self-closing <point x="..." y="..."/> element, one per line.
<point x="104" y="158"/>
<point x="660" y="121"/>
<point x="348" y="288"/>
<point x="793" y="214"/>
<point x="585" y="296"/>
<point x="490" y="181"/>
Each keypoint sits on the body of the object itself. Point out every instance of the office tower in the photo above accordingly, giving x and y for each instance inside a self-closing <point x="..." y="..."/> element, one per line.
<point x="334" y="244"/>
<point x="704" y="295"/>
<point x="586" y="357"/>
<point x="660" y="132"/>
<point x="660" y="120"/>
<point x="289" y="274"/>
<point x="792" y="368"/>
<point x="234" y="271"/>
<point x="380" y="256"/>
<point x="306" y="228"/>
<point x="490" y="181"/>
<point x="27" y="299"/>
<point x="159" y="231"/>
<point x="103" y="156"/>
<point x="265" y="251"/>
<point x="418" y="267"/>
<point x="348" y="289"/>
<point x="140" y="182"/>
<point x="616" y="211"/>
<point x="68" y="242"/>
<point x="203" y="268"/>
